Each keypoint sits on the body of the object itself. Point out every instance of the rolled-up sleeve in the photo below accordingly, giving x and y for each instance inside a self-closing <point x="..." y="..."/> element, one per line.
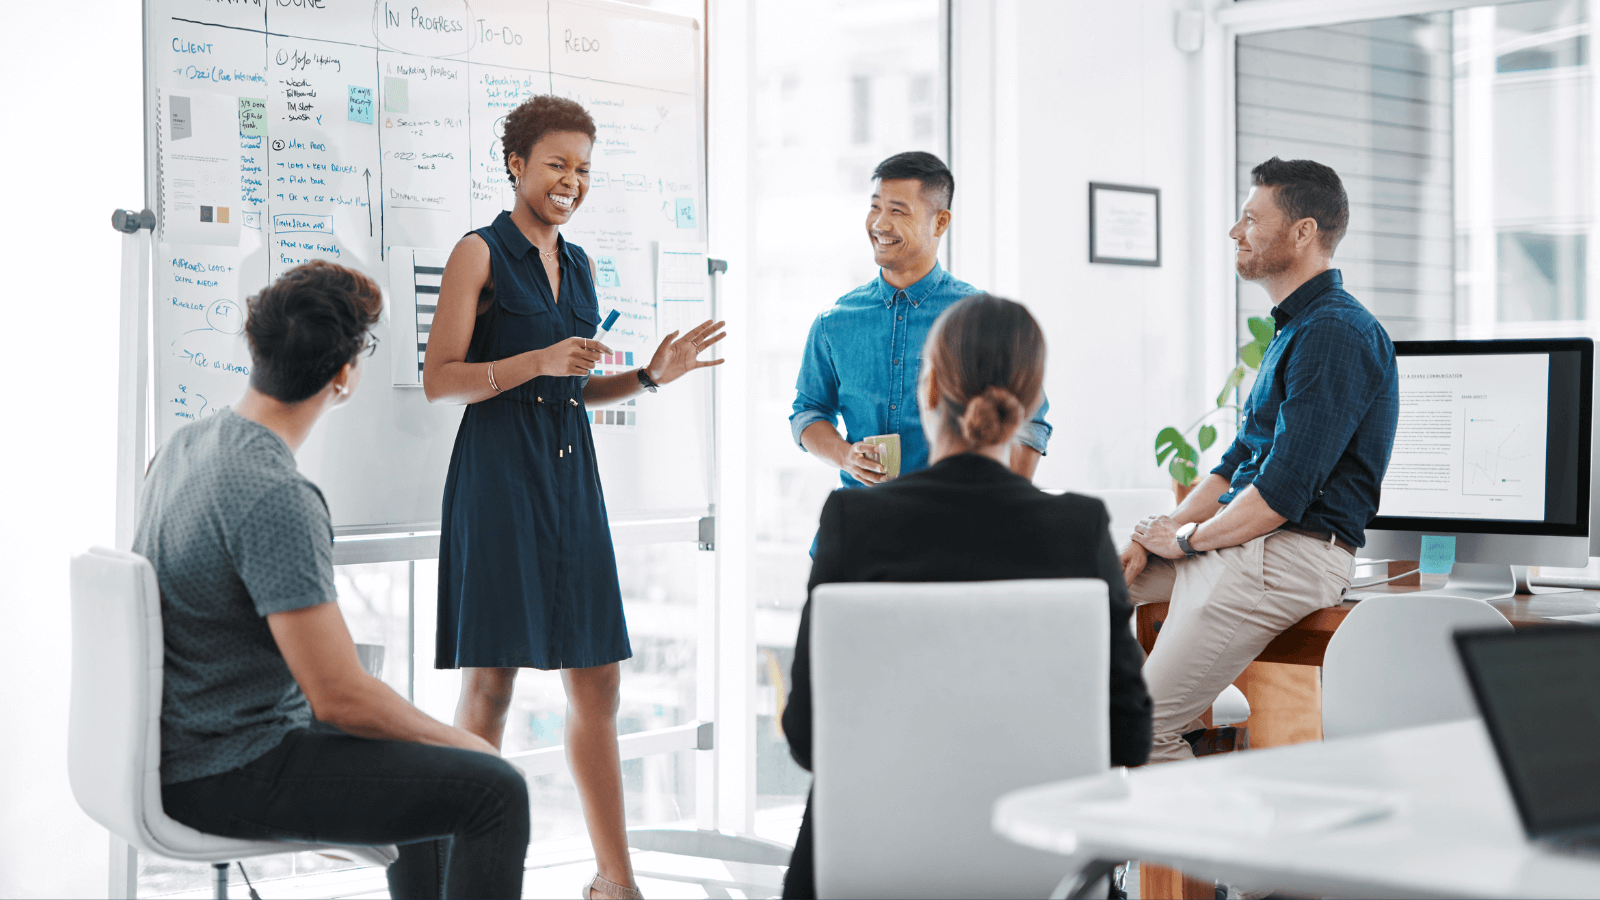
<point x="1330" y="380"/>
<point x="1232" y="458"/>
<point x="816" y="397"/>
<point x="1036" y="434"/>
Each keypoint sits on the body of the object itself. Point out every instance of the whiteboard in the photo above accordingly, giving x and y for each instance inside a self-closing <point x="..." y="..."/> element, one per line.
<point x="368" y="133"/>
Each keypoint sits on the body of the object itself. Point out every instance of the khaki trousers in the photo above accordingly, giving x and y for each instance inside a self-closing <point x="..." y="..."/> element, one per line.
<point x="1226" y="606"/>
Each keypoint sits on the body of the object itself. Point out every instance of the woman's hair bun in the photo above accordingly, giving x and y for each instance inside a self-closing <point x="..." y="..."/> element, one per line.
<point x="991" y="417"/>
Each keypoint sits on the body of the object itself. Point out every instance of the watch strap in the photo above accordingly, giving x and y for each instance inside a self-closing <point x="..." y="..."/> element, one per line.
<point x="648" y="382"/>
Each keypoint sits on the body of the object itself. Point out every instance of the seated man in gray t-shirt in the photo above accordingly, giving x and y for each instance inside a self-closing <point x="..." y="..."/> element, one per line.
<point x="242" y="546"/>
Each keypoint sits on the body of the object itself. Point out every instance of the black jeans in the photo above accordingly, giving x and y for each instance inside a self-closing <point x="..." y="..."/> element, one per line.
<point x="460" y="817"/>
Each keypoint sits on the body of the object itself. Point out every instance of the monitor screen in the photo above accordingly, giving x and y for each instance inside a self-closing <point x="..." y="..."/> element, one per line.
<point x="1492" y="436"/>
<point x="1536" y="690"/>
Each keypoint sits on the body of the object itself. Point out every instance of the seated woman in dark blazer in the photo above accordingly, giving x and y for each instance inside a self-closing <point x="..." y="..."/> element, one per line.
<point x="967" y="517"/>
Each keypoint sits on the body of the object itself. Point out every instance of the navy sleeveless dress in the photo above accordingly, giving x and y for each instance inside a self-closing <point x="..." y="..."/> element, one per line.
<point x="527" y="573"/>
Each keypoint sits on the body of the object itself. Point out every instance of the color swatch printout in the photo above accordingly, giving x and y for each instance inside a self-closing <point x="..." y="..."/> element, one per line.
<point x="622" y="416"/>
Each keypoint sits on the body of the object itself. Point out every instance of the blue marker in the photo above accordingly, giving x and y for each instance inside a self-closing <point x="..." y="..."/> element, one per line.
<point x="610" y="321"/>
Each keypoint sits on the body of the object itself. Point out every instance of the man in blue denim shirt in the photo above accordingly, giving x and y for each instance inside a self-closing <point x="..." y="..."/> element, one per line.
<point x="863" y="355"/>
<point x="1270" y="536"/>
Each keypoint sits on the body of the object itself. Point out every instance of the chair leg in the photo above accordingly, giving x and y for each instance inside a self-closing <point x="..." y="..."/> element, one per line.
<point x="221" y="870"/>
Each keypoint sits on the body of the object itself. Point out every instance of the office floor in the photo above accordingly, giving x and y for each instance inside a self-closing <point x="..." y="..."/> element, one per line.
<point x="561" y="869"/>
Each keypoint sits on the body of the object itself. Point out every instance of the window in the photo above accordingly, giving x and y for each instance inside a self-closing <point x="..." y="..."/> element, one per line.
<point x="822" y="134"/>
<point x="1465" y="140"/>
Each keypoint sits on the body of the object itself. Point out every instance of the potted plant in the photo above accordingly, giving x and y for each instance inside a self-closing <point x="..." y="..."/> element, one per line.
<point x="1173" y="447"/>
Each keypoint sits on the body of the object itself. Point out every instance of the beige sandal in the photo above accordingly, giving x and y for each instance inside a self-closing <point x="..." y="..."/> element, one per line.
<point x="599" y="887"/>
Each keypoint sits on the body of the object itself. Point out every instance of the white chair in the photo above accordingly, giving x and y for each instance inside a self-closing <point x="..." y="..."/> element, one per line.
<point x="114" y="732"/>
<point x="932" y="700"/>
<point x="1391" y="664"/>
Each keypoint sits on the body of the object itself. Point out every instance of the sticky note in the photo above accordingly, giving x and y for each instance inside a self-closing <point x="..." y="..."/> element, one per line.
<point x="606" y="266"/>
<point x="686" y="213"/>
<point x="1438" y="554"/>
<point x="396" y="94"/>
<point x="252" y="117"/>
<point x="361" y="104"/>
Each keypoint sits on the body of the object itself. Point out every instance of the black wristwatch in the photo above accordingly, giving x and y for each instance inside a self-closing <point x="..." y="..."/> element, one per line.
<point x="646" y="381"/>
<point x="1182" y="537"/>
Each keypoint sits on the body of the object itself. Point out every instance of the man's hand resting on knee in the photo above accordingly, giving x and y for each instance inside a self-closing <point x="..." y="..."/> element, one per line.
<point x="1133" y="560"/>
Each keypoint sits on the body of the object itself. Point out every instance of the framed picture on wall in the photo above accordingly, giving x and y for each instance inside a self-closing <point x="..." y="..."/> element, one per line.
<point x="1124" y="225"/>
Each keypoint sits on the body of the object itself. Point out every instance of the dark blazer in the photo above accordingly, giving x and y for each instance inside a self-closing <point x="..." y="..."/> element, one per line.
<point x="966" y="518"/>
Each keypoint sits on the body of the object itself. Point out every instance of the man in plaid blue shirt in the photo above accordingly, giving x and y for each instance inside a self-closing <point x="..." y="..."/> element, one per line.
<point x="1270" y="535"/>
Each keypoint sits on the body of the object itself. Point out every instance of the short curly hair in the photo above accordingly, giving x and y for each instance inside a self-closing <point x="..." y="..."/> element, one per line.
<point x="306" y="326"/>
<point x="538" y="116"/>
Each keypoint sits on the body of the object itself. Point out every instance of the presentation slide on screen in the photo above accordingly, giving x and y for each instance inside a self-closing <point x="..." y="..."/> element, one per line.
<point x="1471" y="442"/>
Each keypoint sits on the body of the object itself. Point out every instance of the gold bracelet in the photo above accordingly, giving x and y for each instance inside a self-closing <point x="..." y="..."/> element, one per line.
<point x="491" y="380"/>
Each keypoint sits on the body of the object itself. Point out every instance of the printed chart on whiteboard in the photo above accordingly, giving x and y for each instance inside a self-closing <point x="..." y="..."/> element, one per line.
<point x="414" y="276"/>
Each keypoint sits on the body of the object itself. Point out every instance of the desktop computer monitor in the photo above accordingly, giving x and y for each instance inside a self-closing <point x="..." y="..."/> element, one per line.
<point x="1493" y="448"/>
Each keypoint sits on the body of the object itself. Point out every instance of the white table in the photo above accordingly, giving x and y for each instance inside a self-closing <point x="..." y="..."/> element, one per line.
<point x="1453" y="831"/>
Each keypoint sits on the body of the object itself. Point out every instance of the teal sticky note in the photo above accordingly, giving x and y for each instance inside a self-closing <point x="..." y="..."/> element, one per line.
<point x="606" y="266"/>
<point x="1438" y="554"/>
<point x="686" y="213"/>
<point x="252" y="117"/>
<point x="361" y="104"/>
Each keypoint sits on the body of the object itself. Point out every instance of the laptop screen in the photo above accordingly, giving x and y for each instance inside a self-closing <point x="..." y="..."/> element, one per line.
<point x="1539" y="692"/>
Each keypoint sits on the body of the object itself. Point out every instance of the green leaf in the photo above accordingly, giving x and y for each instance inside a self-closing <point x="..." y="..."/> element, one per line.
<point x="1169" y="441"/>
<point x="1235" y="378"/>
<point x="1208" y="436"/>
<point x="1183" y="471"/>
<point x="1262" y="328"/>
<point x="1250" y="355"/>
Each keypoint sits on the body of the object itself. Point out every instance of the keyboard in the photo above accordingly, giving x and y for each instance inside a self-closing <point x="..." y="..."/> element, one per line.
<point x="1587" y="584"/>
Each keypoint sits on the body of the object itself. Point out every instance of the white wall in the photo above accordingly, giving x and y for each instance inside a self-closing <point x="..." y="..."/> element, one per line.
<point x="1048" y="96"/>
<point x="73" y="151"/>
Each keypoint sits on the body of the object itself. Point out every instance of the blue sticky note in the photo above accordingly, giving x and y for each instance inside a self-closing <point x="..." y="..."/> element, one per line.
<point x="686" y="213"/>
<point x="606" y="268"/>
<point x="360" y="109"/>
<point x="1438" y="554"/>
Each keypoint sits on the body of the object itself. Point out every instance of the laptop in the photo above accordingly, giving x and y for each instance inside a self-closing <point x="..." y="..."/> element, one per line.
<point x="1539" y="692"/>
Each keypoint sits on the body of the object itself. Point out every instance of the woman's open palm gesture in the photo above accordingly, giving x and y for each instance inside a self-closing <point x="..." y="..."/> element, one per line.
<point x="677" y="356"/>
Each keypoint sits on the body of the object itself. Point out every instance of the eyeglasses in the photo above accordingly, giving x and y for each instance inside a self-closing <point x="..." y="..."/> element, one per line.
<point x="371" y="347"/>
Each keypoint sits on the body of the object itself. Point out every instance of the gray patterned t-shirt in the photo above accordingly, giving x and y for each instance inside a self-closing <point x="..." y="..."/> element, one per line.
<point x="235" y="533"/>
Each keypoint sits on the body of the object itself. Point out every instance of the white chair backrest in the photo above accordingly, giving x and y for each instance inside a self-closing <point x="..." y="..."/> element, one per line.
<point x="1391" y="664"/>
<point x="114" y="727"/>
<point x="930" y="701"/>
<point x="1128" y="506"/>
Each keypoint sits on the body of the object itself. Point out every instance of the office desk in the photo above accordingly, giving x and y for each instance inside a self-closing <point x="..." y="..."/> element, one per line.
<point x="1285" y="691"/>
<point x="1305" y="643"/>
<point x="1455" y="832"/>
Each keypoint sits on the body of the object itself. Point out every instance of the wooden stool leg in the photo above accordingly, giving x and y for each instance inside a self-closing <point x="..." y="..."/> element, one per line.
<point x="1163" y="883"/>
<point x="1285" y="703"/>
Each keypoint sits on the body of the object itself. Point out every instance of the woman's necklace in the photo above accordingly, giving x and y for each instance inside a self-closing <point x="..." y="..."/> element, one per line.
<point x="547" y="257"/>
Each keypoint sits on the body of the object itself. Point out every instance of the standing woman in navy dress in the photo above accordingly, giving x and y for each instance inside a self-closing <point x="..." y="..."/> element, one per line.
<point x="527" y="574"/>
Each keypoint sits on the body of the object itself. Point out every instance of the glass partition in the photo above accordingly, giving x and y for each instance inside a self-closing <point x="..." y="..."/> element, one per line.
<point x="839" y="87"/>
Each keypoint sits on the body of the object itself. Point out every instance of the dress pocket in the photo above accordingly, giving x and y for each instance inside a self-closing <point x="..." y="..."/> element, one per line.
<point x="588" y="320"/>
<point x="522" y="304"/>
